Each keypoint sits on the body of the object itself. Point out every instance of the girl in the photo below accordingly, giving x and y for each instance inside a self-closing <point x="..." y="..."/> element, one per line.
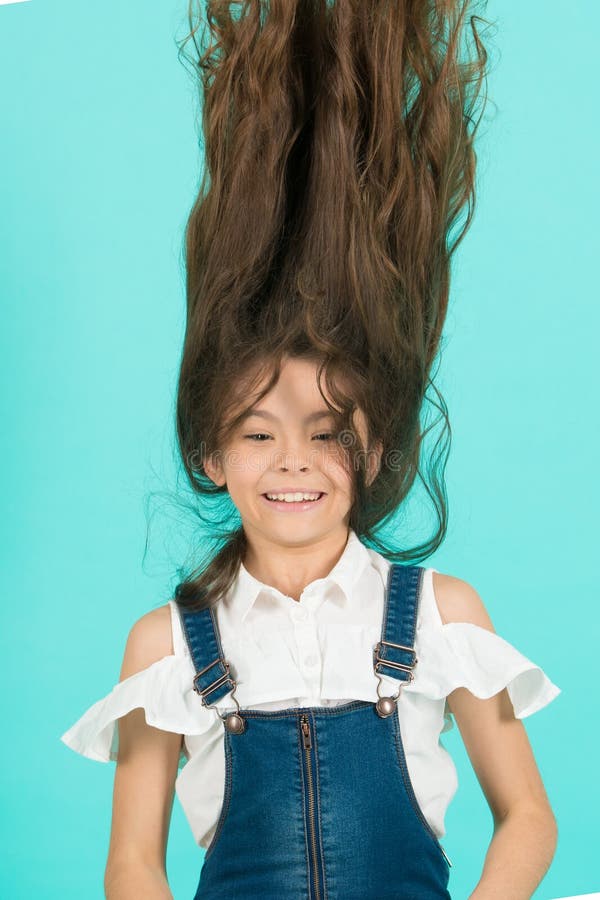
<point x="294" y="689"/>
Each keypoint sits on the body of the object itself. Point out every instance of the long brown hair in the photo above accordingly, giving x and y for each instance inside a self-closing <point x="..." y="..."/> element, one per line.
<point x="339" y="148"/>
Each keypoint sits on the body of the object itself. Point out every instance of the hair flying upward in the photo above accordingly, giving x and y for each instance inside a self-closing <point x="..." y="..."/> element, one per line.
<point x="339" y="158"/>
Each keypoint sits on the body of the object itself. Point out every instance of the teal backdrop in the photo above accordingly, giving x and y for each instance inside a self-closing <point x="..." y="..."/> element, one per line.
<point x="100" y="157"/>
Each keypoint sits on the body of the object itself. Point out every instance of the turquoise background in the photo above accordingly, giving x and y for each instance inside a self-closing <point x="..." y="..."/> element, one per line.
<point x="100" y="158"/>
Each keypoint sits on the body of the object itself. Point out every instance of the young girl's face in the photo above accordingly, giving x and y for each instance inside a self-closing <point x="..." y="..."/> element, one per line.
<point x="288" y="444"/>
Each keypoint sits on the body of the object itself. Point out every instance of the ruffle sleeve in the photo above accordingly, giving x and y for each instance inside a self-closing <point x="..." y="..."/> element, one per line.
<point x="163" y="690"/>
<point x="462" y="654"/>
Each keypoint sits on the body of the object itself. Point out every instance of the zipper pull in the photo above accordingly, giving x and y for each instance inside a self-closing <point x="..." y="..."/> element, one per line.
<point x="306" y="733"/>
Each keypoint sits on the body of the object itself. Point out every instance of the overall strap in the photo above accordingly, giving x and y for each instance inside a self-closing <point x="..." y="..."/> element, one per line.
<point x="212" y="679"/>
<point x="394" y="654"/>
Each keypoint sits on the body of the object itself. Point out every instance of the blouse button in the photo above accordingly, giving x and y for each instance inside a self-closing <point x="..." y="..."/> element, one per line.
<point x="311" y="660"/>
<point x="299" y="613"/>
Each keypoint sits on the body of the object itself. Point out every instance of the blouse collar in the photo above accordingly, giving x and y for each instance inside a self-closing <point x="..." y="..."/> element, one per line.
<point x="246" y="589"/>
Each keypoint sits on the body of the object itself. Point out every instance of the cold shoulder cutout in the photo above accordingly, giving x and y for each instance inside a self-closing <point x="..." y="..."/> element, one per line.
<point x="462" y="654"/>
<point x="163" y="690"/>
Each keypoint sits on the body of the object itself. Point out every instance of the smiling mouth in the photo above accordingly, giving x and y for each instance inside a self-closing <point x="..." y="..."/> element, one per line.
<point x="295" y="505"/>
<point x="312" y="500"/>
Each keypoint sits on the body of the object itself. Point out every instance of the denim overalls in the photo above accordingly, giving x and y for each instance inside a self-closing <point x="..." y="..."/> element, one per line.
<point x="318" y="803"/>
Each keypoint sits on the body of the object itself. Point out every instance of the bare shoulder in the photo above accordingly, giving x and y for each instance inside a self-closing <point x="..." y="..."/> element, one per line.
<point x="149" y="639"/>
<point x="146" y="769"/>
<point x="458" y="601"/>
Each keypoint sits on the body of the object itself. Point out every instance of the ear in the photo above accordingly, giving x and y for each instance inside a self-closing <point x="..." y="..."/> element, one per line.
<point x="214" y="469"/>
<point x="374" y="461"/>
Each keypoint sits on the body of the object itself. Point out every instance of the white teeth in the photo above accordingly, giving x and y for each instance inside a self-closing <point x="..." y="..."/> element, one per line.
<point x="293" y="498"/>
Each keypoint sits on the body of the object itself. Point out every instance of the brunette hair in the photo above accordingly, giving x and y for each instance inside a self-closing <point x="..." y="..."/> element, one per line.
<point x="339" y="148"/>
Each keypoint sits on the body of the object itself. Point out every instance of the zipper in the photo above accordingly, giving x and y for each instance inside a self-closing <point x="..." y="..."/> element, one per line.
<point x="306" y="737"/>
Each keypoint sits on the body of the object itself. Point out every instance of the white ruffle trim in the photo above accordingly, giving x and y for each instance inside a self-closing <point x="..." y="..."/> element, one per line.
<point x="461" y="654"/>
<point x="457" y="654"/>
<point x="163" y="690"/>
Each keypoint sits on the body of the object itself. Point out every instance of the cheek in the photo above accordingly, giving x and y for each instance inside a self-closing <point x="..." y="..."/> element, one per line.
<point x="241" y="479"/>
<point x="338" y="467"/>
<point x="243" y="463"/>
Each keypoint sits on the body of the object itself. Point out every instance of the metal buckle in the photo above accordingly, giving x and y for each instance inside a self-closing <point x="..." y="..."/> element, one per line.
<point x="214" y="684"/>
<point x="395" y="665"/>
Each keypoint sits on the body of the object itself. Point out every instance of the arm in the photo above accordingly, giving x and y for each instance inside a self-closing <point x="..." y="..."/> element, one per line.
<point x="144" y="780"/>
<point x="525" y="830"/>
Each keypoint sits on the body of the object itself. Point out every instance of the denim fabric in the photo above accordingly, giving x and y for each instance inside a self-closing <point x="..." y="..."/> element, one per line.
<point x="318" y="803"/>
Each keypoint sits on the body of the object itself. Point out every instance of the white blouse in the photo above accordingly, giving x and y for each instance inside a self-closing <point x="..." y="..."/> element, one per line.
<point x="316" y="652"/>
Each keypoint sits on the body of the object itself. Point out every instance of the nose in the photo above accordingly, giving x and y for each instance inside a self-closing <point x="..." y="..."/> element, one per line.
<point x="294" y="461"/>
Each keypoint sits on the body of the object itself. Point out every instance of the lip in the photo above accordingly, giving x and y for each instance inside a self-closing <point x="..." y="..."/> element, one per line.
<point x="296" y="506"/>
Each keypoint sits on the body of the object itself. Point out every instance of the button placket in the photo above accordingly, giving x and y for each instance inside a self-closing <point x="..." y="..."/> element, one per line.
<point x="299" y="614"/>
<point x="308" y="650"/>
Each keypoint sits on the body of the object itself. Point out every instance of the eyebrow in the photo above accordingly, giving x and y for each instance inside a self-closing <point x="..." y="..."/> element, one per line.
<point x="263" y="413"/>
